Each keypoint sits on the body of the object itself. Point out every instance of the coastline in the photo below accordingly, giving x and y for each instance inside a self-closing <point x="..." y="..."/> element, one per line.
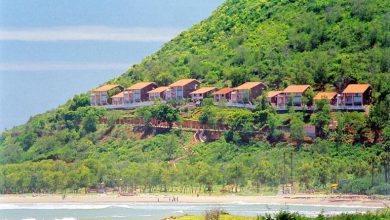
<point x="315" y="200"/>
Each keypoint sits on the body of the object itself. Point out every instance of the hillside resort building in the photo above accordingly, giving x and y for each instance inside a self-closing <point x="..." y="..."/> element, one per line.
<point x="353" y="97"/>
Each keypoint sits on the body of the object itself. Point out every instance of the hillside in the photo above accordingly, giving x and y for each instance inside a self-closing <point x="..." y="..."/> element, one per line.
<point x="320" y="42"/>
<point x="325" y="43"/>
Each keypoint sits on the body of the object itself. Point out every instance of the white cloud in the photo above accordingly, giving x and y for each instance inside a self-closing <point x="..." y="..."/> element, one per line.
<point x="62" y="66"/>
<point x="89" y="33"/>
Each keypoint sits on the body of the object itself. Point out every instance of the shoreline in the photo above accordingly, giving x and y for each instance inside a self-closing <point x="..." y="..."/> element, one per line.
<point x="298" y="199"/>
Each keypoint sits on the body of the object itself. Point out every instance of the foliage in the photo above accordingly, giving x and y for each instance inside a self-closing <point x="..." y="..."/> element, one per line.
<point x="321" y="118"/>
<point x="165" y="113"/>
<point x="296" y="129"/>
<point x="327" y="44"/>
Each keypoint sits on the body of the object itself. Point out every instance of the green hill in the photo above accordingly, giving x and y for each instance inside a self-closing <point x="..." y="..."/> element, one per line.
<point x="325" y="43"/>
<point x="320" y="42"/>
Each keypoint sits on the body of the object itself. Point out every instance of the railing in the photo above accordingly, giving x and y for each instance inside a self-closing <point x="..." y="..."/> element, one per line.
<point x="132" y="105"/>
<point x="237" y="105"/>
<point x="332" y="107"/>
<point x="241" y="105"/>
<point x="348" y="107"/>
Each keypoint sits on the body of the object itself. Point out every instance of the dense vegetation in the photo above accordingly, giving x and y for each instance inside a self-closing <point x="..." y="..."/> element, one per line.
<point x="326" y="43"/>
<point x="220" y="215"/>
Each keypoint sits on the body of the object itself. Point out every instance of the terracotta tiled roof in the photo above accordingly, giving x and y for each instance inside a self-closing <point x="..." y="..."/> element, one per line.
<point x="248" y="85"/>
<point x="203" y="90"/>
<point x="271" y="94"/>
<point x="140" y="85"/>
<point x="183" y="82"/>
<point x="296" y="88"/>
<point x="325" y="95"/>
<point x="223" y="91"/>
<point x="106" y="88"/>
<point x="119" y="95"/>
<point x="159" y="89"/>
<point x="356" y="88"/>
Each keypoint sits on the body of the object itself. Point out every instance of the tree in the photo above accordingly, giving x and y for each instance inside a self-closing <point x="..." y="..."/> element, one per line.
<point x="236" y="174"/>
<point x="321" y="118"/>
<point x="146" y="114"/>
<point x="308" y="96"/>
<point x="165" y="113"/>
<point x="273" y="133"/>
<point x="296" y="129"/>
<point x="207" y="175"/>
<point x="261" y="173"/>
<point x="378" y="118"/>
<point x="79" y="101"/>
<point x="241" y="124"/>
<point x="207" y="116"/>
<point x="88" y="124"/>
<point x="306" y="174"/>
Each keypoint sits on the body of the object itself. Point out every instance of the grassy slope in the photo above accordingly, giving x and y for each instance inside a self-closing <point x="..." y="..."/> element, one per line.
<point x="326" y="43"/>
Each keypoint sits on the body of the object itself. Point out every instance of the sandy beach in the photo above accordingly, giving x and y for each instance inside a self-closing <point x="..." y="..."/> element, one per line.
<point x="345" y="200"/>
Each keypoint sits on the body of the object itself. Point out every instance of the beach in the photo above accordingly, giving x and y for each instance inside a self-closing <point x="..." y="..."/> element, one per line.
<point x="308" y="199"/>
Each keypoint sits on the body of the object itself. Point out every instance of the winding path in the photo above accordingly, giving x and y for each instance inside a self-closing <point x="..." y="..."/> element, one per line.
<point x="198" y="137"/>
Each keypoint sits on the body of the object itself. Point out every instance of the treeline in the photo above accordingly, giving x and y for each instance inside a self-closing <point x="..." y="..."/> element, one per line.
<point x="215" y="167"/>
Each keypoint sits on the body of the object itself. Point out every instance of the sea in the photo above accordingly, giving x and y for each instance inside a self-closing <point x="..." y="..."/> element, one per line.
<point x="158" y="211"/>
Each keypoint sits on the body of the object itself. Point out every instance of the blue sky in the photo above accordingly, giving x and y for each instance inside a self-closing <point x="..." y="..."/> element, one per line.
<point x="51" y="50"/>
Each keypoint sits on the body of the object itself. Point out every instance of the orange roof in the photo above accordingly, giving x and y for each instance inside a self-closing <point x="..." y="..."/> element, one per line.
<point x="296" y="88"/>
<point x="203" y="90"/>
<point x="140" y="85"/>
<point x="119" y="95"/>
<point x="325" y="95"/>
<point x="159" y="89"/>
<point x="356" y="88"/>
<point x="183" y="82"/>
<point x="271" y="94"/>
<point x="106" y="88"/>
<point x="223" y="91"/>
<point x="248" y="85"/>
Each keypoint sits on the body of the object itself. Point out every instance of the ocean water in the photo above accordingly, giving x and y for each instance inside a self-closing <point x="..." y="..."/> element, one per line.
<point x="156" y="211"/>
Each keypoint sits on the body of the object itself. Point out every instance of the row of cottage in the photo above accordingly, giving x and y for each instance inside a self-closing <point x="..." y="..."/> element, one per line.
<point x="354" y="96"/>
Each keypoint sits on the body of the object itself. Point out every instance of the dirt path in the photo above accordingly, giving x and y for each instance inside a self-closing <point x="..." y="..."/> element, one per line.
<point x="197" y="138"/>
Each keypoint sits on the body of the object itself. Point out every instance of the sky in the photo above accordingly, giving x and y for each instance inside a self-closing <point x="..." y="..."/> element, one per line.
<point x="52" y="50"/>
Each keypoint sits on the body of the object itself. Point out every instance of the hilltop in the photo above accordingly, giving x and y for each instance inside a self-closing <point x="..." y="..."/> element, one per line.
<point x="319" y="42"/>
<point x="325" y="43"/>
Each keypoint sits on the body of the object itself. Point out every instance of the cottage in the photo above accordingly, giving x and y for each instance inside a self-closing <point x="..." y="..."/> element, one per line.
<point x="118" y="99"/>
<point x="158" y="93"/>
<point x="247" y="92"/>
<point x="272" y="97"/>
<point x="139" y="91"/>
<point x="223" y="94"/>
<point x="295" y="92"/>
<point x="181" y="89"/>
<point x="330" y="97"/>
<point x="200" y="94"/>
<point x="123" y="98"/>
<point x="102" y="95"/>
<point x="356" y="95"/>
